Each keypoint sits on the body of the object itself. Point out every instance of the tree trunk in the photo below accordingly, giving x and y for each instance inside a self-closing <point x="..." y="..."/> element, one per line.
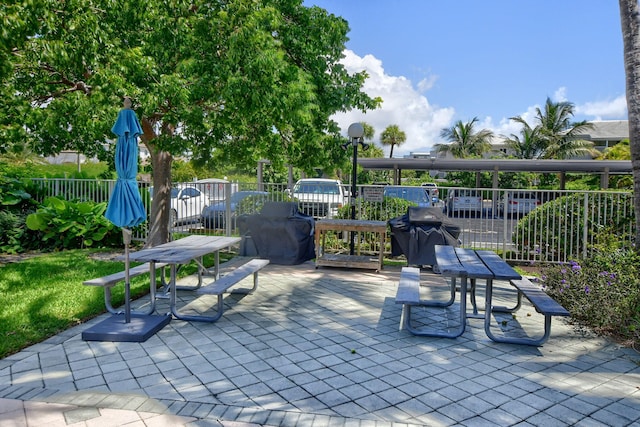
<point x="161" y="203"/>
<point x="629" y="18"/>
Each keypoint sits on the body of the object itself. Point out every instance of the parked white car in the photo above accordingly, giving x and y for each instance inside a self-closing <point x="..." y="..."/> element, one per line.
<point x="464" y="200"/>
<point x="216" y="189"/>
<point x="187" y="204"/>
<point x="318" y="197"/>
<point x="432" y="188"/>
<point x="518" y="203"/>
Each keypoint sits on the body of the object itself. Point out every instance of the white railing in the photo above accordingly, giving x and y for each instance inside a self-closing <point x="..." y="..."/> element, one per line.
<point x="559" y="229"/>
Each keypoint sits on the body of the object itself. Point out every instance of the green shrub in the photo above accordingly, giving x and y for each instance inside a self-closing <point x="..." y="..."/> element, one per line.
<point x="369" y="211"/>
<point x="390" y="208"/>
<point x="603" y="291"/>
<point x="555" y="230"/>
<point x="72" y="225"/>
<point x="15" y="204"/>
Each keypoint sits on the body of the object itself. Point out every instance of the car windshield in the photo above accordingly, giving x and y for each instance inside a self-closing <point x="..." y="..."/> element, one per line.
<point x="417" y="195"/>
<point x="237" y="197"/>
<point x="317" y="188"/>
<point x="174" y="192"/>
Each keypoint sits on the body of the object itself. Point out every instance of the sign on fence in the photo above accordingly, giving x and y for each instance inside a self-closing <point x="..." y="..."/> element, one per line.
<point x="372" y="194"/>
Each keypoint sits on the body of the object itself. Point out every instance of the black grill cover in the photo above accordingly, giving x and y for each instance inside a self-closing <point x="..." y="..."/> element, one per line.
<point x="415" y="234"/>
<point x="280" y="233"/>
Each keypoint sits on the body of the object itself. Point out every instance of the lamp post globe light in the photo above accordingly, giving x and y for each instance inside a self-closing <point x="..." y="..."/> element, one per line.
<point x="355" y="132"/>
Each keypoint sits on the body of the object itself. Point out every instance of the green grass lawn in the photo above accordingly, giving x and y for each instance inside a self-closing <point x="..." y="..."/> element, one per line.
<point x="44" y="295"/>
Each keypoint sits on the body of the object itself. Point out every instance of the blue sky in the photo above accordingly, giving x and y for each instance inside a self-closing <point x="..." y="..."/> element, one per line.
<point x="435" y="62"/>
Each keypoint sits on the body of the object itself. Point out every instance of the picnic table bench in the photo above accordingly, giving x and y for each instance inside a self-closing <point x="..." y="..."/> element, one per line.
<point x="472" y="265"/>
<point x="109" y="281"/>
<point x="408" y="294"/>
<point x="224" y="283"/>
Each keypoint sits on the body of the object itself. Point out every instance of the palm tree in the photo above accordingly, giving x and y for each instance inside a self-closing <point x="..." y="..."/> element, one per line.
<point x="369" y="131"/>
<point x="560" y="134"/>
<point x="531" y="145"/>
<point x="630" y="22"/>
<point x="464" y="141"/>
<point x="392" y="136"/>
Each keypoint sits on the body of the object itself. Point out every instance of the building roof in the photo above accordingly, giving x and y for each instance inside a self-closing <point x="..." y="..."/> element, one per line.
<point x="607" y="130"/>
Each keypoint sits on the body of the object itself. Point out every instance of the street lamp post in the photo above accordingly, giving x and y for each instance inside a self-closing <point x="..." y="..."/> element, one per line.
<point x="355" y="132"/>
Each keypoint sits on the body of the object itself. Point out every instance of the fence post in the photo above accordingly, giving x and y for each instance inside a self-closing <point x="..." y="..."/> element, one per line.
<point x="585" y="226"/>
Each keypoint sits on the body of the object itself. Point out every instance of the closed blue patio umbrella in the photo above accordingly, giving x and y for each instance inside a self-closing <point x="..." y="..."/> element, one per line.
<point x="126" y="210"/>
<point x="125" y="207"/>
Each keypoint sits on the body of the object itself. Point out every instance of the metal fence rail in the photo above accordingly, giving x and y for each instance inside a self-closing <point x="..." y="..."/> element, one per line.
<point x="559" y="228"/>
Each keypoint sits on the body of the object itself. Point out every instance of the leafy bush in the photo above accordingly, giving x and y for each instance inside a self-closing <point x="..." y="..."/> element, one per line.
<point x="374" y="211"/>
<point x="370" y="211"/>
<point x="71" y="225"/>
<point x="602" y="291"/>
<point x="555" y="230"/>
<point x="16" y="203"/>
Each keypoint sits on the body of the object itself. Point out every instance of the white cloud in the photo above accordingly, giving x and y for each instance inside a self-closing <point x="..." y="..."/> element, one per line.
<point x="427" y="83"/>
<point x="408" y="107"/>
<point x="560" y="95"/>
<point x="507" y="127"/>
<point x="403" y="105"/>
<point x="602" y="110"/>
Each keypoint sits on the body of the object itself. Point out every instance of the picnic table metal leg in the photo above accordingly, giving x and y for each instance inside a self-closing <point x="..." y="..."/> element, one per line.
<point x="202" y="270"/>
<point x="502" y="309"/>
<point x="173" y="304"/>
<point x="511" y="340"/>
<point x="436" y="333"/>
<point x="474" y="304"/>
<point x="152" y="287"/>
<point x="451" y="300"/>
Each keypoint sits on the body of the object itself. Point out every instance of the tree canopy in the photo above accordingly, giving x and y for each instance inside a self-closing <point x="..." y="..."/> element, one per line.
<point x="393" y="136"/>
<point x="464" y="140"/>
<point x="554" y="135"/>
<point x="231" y="81"/>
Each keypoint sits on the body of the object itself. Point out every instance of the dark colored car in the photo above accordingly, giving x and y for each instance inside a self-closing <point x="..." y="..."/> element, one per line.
<point x="214" y="216"/>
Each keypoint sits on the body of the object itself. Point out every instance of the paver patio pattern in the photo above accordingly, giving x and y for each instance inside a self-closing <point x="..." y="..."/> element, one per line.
<point x="322" y="347"/>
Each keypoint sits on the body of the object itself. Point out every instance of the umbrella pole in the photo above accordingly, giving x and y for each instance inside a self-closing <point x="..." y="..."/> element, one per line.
<point x="126" y="237"/>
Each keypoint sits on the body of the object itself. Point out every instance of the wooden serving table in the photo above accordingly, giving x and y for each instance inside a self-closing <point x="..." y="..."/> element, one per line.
<point x="323" y="226"/>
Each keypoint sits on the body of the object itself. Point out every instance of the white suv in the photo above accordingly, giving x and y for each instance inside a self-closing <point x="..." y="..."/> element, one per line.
<point x="319" y="197"/>
<point x="432" y="188"/>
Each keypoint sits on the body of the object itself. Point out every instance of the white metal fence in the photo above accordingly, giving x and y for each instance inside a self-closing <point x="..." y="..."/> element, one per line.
<point x="560" y="227"/>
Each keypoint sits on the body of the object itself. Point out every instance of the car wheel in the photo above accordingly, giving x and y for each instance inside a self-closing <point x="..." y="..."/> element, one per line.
<point x="173" y="218"/>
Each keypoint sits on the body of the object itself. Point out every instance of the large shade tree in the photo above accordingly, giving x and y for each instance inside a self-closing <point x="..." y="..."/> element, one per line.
<point x="229" y="81"/>
<point x="630" y="23"/>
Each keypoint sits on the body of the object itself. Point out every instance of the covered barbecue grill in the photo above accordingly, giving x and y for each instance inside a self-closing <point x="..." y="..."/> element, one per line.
<point x="416" y="233"/>
<point x="279" y="233"/>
